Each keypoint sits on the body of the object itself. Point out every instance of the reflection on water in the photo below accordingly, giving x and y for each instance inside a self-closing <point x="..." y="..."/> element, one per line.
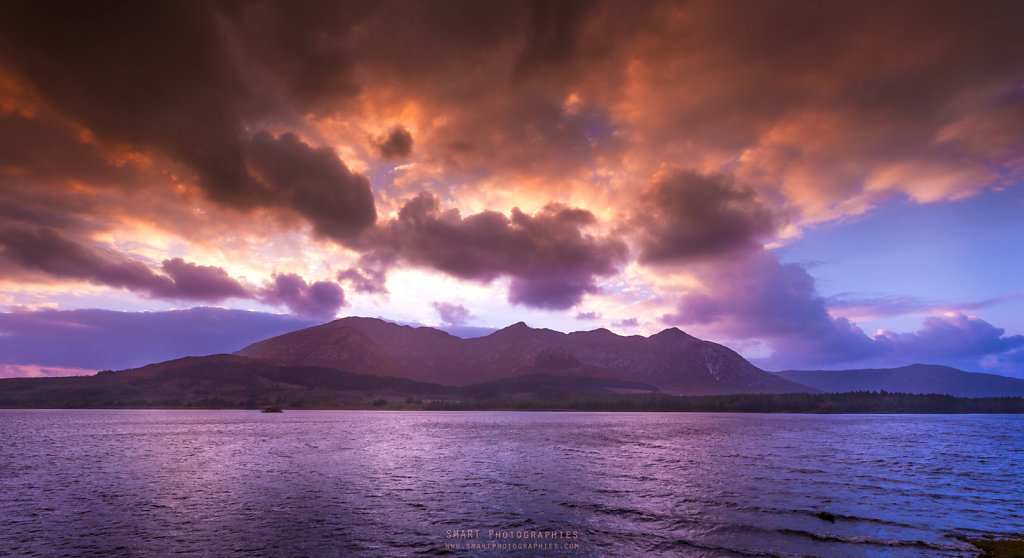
<point x="348" y="483"/>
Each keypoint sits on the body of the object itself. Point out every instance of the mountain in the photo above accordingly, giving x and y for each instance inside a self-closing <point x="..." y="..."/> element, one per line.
<point x="546" y="384"/>
<point x="218" y="381"/>
<point x="916" y="378"/>
<point x="671" y="361"/>
<point x="231" y="381"/>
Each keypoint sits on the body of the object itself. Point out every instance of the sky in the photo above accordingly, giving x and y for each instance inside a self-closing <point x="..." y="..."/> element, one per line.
<point x="816" y="185"/>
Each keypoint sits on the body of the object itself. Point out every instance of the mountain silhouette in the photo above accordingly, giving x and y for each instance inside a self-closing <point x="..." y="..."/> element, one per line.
<point x="671" y="360"/>
<point x="916" y="378"/>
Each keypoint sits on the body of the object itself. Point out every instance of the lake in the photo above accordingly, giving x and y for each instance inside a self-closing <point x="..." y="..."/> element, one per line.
<point x="355" y="483"/>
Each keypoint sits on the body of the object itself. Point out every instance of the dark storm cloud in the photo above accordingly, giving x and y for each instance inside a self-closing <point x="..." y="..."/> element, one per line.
<point x="305" y="47"/>
<point x="102" y="339"/>
<point x="551" y="36"/>
<point x="320" y="300"/>
<point x="313" y="182"/>
<point x="153" y="76"/>
<point x="42" y="149"/>
<point x="46" y="250"/>
<point x="397" y="144"/>
<point x="549" y="258"/>
<point x="687" y="216"/>
<point x="452" y="314"/>
<point x="163" y="78"/>
<point x="45" y="168"/>
<point x="821" y="101"/>
<point x="822" y="108"/>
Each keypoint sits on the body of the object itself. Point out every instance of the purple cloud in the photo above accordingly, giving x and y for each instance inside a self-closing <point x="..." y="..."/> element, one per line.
<point x="104" y="339"/>
<point x="871" y="308"/>
<point x="687" y="216"/>
<point x="452" y="314"/>
<point x="550" y="259"/>
<point x="761" y="298"/>
<point x="321" y="299"/>
<point x="48" y="251"/>
<point x="953" y="337"/>
<point x="367" y="280"/>
<point x="200" y="282"/>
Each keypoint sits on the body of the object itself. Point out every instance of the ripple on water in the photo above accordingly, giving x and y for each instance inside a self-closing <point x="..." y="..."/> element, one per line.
<point x="234" y="483"/>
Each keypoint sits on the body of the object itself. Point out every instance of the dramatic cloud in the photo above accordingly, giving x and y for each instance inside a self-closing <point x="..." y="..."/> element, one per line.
<point x="101" y="339"/>
<point x="832" y="106"/>
<point x="200" y="282"/>
<point x="153" y="77"/>
<point x="550" y="259"/>
<point x="759" y="297"/>
<point x="165" y="80"/>
<point x="397" y="144"/>
<point x="779" y="304"/>
<point x="48" y="251"/>
<point x="686" y="216"/>
<point x="952" y="337"/>
<point x="587" y="316"/>
<point x="138" y="138"/>
<point x="320" y="300"/>
<point x="313" y="182"/>
<point x="452" y="314"/>
<point x="835" y="106"/>
<point x="42" y="149"/>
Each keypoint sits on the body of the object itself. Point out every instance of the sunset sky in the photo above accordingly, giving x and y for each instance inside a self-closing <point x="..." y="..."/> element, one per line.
<point x="814" y="184"/>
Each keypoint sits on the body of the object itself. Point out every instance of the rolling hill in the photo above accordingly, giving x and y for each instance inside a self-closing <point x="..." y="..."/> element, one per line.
<point x="916" y="378"/>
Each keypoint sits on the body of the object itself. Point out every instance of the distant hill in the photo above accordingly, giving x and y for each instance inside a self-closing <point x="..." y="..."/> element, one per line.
<point x="231" y="381"/>
<point x="671" y="361"/>
<point x="235" y="382"/>
<point x="216" y="381"/>
<point x="916" y="378"/>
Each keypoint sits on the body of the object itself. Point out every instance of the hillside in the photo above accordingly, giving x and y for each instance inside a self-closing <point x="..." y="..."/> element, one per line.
<point x="671" y="360"/>
<point x="230" y="381"/>
<point x="916" y="378"/>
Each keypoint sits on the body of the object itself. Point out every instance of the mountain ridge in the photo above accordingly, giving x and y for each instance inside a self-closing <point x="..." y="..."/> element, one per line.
<point x="671" y="360"/>
<point x="232" y="381"/>
<point x="912" y="378"/>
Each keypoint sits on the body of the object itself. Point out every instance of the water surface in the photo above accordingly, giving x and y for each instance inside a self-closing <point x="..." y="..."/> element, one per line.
<point x="351" y="483"/>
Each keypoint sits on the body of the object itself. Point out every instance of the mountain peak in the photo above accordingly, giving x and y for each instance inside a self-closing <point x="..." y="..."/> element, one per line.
<point x="518" y="327"/>
<point x="671" y="360"/>
<point x="672" y="332"/>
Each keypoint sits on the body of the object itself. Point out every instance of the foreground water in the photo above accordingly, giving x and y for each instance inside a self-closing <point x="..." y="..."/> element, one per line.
<point x="350" y="483"/>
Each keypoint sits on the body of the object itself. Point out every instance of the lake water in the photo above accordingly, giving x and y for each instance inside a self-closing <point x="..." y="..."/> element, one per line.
<point x="351" y="483"/>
